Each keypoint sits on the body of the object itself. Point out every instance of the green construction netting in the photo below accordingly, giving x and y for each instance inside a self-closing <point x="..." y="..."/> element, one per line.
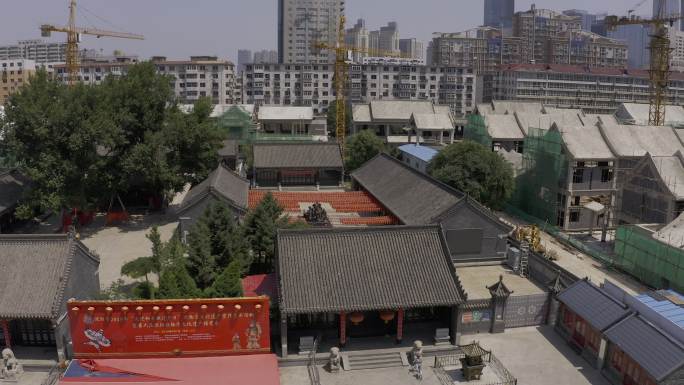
<point x="544" y="169"/>
<point x="236" y="123"/>
<point x="651" y="261"/>
<point x="476" y="130"/>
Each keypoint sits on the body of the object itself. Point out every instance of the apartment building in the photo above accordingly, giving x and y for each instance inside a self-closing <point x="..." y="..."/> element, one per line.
<point x="483" y="49"/>
<point x="201" y="76"/>
<point x="537" y="26"/>
<point x="594" y="90"/>
<point x="40" y="51"/>
<point x="14" y="74"/>
<point x="302" y="23"/>
<point x="584" y="48"/>
<point x="312" y="85"/>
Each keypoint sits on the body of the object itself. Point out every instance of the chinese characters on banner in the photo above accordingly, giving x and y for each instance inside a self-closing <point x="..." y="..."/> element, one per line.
<point x="107" y="329"/>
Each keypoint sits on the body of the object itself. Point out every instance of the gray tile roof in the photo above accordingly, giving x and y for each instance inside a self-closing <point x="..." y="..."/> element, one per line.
<point x="229" y="149"/>
<point x="12" y="186"/>
<point x="413" y="197"/>
<point x="593" y="304"/>
<point x="585" y="142"/>
<point x="222" y="183"/>
<point x="636" y="141"/>
<point x="434" y="121"/>
<point x="361" y="269"/>
<point x="655" y="352"/>
<point x="35" y="270"/>
<point x="285" y="113"/>
<point x="297" y="155"/>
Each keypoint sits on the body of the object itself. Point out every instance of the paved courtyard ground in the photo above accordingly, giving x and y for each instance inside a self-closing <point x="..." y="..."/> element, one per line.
<point x="298" y="375"/>
<point x="119" y="244"/>
<point x="476" y="279"/>
<point x="538" y="356"/>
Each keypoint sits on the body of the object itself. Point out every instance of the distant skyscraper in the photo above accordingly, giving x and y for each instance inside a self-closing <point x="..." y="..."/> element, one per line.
<point x="265" y="56"/>
<point x="498" y="13"/>
<point x="588" y="19"/>
<point x="302" y="23"/>
<point x="637" y="39"/>
<point x="411" y="48"/>
<point x="244" y="57"/>
<point x="385" y="39"/>
<point x="665" y="8"/>
<point x="357" y="37"/>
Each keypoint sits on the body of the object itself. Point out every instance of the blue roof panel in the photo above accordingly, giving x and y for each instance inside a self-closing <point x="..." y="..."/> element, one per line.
<point x="665" y="308"/>
<point x="423" y="153"/>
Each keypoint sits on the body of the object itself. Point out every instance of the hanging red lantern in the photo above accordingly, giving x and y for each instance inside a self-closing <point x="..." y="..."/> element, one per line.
<point x="387" y="315"/>
<point x="356" y="318"/>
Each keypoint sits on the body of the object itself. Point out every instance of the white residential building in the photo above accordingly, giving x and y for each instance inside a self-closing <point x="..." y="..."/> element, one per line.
<point x="312" y="85"/>
<point x="37" y="50"/>
<point x="201" y="76"/>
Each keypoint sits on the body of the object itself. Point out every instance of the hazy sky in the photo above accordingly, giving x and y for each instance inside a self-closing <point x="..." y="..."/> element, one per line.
<point x="180" y="28"/>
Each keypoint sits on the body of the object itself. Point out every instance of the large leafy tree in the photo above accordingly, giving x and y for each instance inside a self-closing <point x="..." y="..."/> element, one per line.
<point x="475" y="170"/>
<point x="81" y="145"/>
<point x="361" y="147"/>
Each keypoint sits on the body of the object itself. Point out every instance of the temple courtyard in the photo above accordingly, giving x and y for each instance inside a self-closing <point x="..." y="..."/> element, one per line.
<point x="534" y="355"/>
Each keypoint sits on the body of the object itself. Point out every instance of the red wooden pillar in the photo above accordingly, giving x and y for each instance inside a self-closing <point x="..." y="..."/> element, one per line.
<point x="400" y="325"/>
<point x="343" y="328"/>
<point x="6" y="333"/>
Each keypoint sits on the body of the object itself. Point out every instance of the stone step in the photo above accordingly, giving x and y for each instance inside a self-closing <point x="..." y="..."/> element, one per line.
<point x="374" y="361"/>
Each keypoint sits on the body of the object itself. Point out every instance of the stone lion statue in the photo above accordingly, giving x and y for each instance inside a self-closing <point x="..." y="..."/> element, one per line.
<point x="11" y="367"/>
<point x="335" y="359"/>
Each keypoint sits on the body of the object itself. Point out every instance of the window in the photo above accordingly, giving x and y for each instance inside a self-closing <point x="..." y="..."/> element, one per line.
<point x="578" y="175"/>
<point x="606" y="175"/>
<point x="574" y="216"/>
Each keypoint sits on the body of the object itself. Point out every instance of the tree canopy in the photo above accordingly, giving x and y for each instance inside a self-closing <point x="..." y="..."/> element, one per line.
<point x="362" y="147"/>
<point x="475" y="170"/>
<point x="82" y="144"/>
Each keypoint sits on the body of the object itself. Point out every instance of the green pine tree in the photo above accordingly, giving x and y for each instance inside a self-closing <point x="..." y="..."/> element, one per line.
<point x="261" y="226"/>
<point x="175" y="281"/>
<point x="228" y="283"/>
<point x="201" y="260"/>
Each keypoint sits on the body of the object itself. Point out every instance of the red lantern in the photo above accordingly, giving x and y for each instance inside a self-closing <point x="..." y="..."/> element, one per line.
<point x="356" y="318"/>
<point x="387" y="315"/>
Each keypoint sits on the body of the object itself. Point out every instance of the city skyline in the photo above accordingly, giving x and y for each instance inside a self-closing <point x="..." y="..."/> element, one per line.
<point x="226" y="29"/>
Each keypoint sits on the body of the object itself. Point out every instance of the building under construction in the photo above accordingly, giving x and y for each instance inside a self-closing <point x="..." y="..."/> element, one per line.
<point x="594" y="90"/>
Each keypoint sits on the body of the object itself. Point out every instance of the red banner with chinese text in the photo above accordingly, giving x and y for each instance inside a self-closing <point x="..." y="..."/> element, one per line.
<point x="125" y="329"/>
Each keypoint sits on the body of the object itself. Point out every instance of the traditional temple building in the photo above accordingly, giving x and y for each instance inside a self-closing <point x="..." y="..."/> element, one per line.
<point x="586" y="311"/>
<point x="297" y="164"/>
<point x="473" y="232"/>
<point x="363" y="282"/>
<point x="222" y="185"/>
<point x="58" y="267"/>
<point x="13" y="185"/>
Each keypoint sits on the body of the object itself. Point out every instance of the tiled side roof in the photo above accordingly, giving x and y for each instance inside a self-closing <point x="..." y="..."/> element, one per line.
<point x="654" y="351"/>
<point x="361" y="269"/>
<point x="35" y="270"/>
<point x="229" y="149"/>
<point x="12" y="186"/>
<point x="297" y="155"/>
<point x="223" y="182"/>
<point x="593" y="304"/>
<point x="413" y="197"/>
<point x="285" y="113"/>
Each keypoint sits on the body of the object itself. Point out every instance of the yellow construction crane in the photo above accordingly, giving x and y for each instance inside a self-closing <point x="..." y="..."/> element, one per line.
<point x="341" y="70"/>
<point x="659" y="71"/>
<point x="73" y="32"/>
